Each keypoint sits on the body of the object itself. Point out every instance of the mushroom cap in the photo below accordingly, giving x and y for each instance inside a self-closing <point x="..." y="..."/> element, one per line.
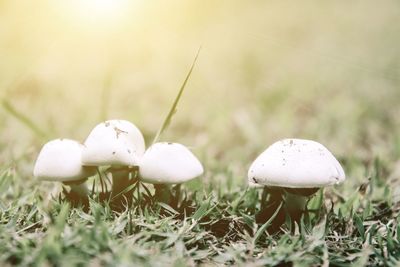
<point x="169" y="163"/>
<point x="113" y="142"/>
<point x="60" y="160"/>
<point x="296" y="163"/>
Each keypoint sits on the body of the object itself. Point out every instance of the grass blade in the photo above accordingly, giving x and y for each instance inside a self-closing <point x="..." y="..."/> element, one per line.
<point x="5" y="180"/>
<point x="203" y="210"/>
<point x="173" y="109"/>
<point x="24" y="120"/>
<point x="264" y="227"/>
<point x="168" y="208"/>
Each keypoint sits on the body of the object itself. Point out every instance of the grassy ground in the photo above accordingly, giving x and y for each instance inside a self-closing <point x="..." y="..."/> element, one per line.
<point x="270" y="70"/>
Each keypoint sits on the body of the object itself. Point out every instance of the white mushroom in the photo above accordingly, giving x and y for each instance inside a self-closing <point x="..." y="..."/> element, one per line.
<point x="60" y="160"/>
<point x="168" y="163"/>
<point x="297" y="168"/>
<point x="115" y="143"/>
<point x="296" y="163"/>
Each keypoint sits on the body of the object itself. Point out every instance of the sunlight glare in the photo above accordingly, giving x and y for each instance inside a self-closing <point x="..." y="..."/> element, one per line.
<point x="99" y="12"/>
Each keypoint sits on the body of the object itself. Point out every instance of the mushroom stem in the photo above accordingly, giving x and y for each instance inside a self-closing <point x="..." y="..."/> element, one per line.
<point x="120" y="179"/>
<point x="272" y="198"/>
<point x="79" y="191"/>
<point x="295" y="204"/>
<point x="264" y="197"/>
<point x="162" y="193"/>
<point x="296" y="200"/>
<point x="175" y="198"/>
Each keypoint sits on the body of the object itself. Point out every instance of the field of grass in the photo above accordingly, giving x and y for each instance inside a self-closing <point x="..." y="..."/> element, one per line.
<point x="322" y="70"/>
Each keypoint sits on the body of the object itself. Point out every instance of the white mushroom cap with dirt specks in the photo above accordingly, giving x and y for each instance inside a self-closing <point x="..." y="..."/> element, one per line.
<point x="113" y="142"/>
<point x="169" y="163"/>
<point x="61" y="160"/>
<point x="296" y="163"/>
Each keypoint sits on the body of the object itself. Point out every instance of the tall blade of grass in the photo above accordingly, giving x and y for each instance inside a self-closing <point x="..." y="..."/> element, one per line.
<point x="173" y="109"/>
<point x="42" y="135"/>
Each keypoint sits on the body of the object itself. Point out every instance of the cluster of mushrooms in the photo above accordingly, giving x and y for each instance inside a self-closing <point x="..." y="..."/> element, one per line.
<point x="115" y="148"/>
<point x="289" y="171"/>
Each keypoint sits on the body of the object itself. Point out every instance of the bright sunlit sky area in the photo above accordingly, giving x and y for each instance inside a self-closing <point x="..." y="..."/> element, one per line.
<point x="99" y="13"/>
<point x="266" y="70"/>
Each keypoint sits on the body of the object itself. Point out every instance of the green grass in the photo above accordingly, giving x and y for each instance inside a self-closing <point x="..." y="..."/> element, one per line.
<point x="217" y="229"/>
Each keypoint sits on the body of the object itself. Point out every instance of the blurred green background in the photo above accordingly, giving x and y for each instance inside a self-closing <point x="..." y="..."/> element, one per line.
<point x="323" y="70"/>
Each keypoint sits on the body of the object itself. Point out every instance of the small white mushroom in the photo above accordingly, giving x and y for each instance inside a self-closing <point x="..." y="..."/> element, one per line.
<point x="169" y="163"/>
<point x="60" y="160"/>
<point x="164" y="164"/>
<point x="298" y="168"/>
<point x="114" y="143"/>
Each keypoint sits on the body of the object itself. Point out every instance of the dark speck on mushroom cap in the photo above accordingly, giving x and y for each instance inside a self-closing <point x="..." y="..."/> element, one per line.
<point x="119" y="131"/>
